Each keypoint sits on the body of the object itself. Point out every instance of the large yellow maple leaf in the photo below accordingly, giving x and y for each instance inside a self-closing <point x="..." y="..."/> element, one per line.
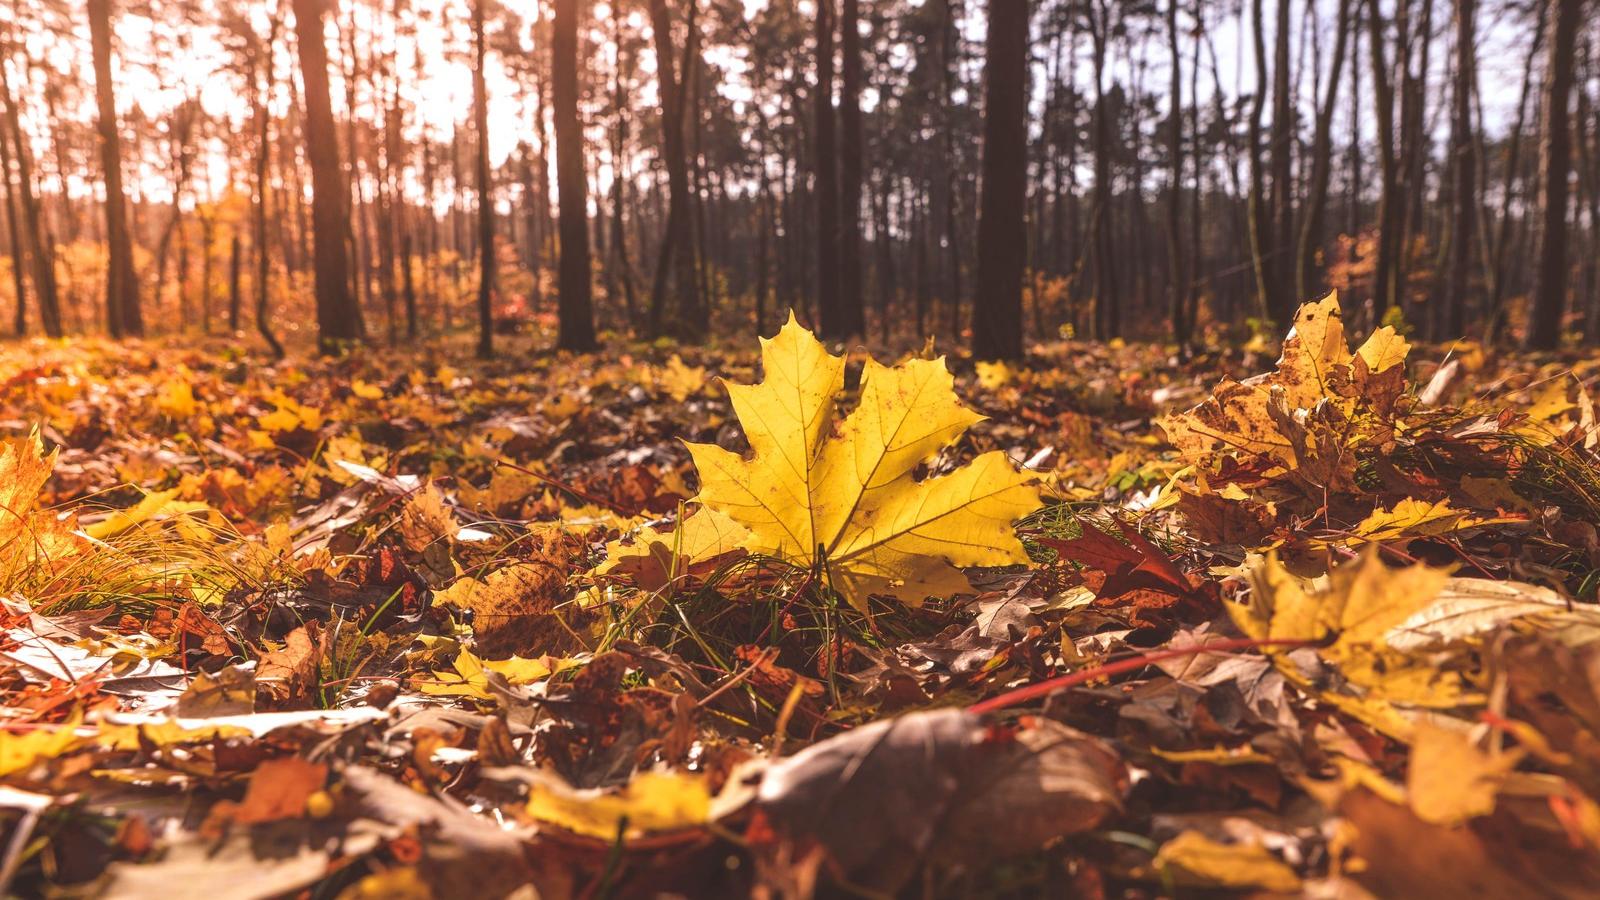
<point x="848" y="500"/>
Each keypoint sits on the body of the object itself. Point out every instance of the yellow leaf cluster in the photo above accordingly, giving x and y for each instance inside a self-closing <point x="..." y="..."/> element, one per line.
<point x="1318" y="382"/>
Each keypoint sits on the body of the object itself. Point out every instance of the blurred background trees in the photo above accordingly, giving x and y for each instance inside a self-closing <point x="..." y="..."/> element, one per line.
<point x="987" y="173"/>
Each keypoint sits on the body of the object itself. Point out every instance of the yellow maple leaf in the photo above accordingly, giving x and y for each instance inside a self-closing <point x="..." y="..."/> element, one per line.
<point x="651" y="802"/>
<point x="18" y="752"/>
<point x="993" y="376"/>
<point x="1449" y="780"/>
<point x="849" y="502"/>
<point x="176" y="400"/>
<point x="679" y="379"/>
<point x="1413" y="518"/>
<point x="156" y="505"/>
<point x="1352" y="616"/>
<point x="468" y="674"/>
<point x="30" y="540"/>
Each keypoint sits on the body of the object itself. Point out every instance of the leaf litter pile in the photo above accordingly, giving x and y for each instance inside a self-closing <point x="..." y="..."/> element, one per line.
<point x="1110" y="624"/>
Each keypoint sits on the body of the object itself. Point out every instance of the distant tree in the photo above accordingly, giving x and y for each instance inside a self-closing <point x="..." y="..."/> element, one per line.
<point x="1002" y="235"/>
<point x="1460" y="238"/>
<point x="1555" y="168"/>
<point x="337" y="315"/>
<point x="674" y="283"/>
<point x="852" y="309"/>
<point x="1311" y="222"/>
<point x="123" y="315"/>
<point x="574" y="279"/>
<point x="480" y="118"/>
<point x="39" y="246"/>
<point x="1180" y="285"/>
<point x="825" y="158"/>
<point x="13" y="214"/>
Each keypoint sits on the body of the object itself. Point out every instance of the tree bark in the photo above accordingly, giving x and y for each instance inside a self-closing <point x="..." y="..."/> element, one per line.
<point x="1282" y="301"/>
<point x="852" y="304"/>
<point x="123" y="315"/>
<point x="263" y="53"/>
<point x="480" y="118"/>
<point x="574" y="284"/>
<point x="337" y="315"/>
<point x="1463" y="167"/>
<point x="1178" y="276"/>
<point x="674" y="284"/>
<point x="1002" y="236"/>
<point x="830" y="313"/>
<point x="1311" y="237"/>
<point x="13" y="213"/>
<point x="40" y="247"/>
<point x="1555" y="167"/>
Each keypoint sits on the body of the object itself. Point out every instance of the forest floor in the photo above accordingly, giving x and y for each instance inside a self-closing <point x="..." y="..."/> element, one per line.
<point x="415" y="626"/>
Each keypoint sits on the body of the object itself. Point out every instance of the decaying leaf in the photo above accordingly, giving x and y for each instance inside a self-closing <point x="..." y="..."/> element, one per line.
<point x="940" y="787"/>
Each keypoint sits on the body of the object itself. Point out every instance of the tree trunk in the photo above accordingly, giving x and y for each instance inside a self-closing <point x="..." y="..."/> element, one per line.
<point x="830" y="314"/>
<point x="1385" y="273"/>
<point x="1555" y="167"/>
<point x="1261" y="259"/>
<point x="674" y="283"/>
<point x="1310" y="241"/>
<point x="1178" y="276"/>
<point x="575" y="305"/>
<point x="336" y="313"/>
<point x="1002" y="236"/>
<point x="13" y="213"/>
<point x="40" y="248"/>
<point x="852" y="304"/>
<point x="480" y="116"/>
<point x="1282" y="300"/>
<point x="123" y="316"/>
<point x="1499" y="240"/>
<point x="263" y="52"/>
<point x="1464" y="173"/>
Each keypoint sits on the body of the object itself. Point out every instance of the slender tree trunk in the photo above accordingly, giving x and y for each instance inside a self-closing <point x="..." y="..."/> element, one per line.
<point x="1464" y="173"/>
<point x="830" y="314"/>
<point x="1495" y="266"/>
<point x="852" y="305"/>
<point x="261" y="246"/>
<point x="1386" y="271"/>
<point x="1282" y="301"/>
<point x="480" y="115"/>
<point x="336" y="313"/>
<point x="13" y="213"/>
<point x="1311" y="236"/>
<point x="123" y="315"/>
<point x="574" y="284"/>
<point x="1002" y="234"/>
<point x="674" y="282"/>
<point x="39" y="245"/>
<point x="1178" y="277"/>
<point x="1555" y="167"/>
<point x="1261" y="257"/>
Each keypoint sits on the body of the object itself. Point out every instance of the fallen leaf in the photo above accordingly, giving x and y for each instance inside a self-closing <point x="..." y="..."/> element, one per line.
<point x="853" y="499"/>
